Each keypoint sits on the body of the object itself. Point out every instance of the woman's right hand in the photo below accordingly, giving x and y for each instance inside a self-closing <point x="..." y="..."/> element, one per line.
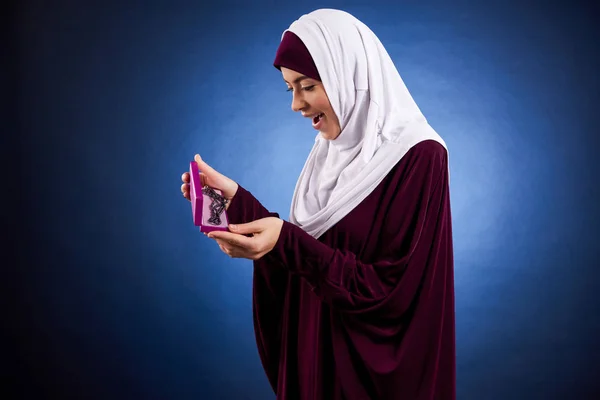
<point x="212" y="178"/>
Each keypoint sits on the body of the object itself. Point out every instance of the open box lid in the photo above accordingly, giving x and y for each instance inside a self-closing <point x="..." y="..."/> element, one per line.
<point x="201" y="205"/>
<point x="196" y="197"/>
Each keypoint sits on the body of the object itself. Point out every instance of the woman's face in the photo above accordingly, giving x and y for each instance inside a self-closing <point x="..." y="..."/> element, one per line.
<point x="309" y="97"/>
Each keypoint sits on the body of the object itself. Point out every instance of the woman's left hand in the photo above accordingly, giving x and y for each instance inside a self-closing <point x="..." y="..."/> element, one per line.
<point x="265" y="233"/>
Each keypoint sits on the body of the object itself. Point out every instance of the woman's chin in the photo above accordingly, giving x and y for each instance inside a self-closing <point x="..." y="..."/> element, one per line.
<point x="329" y="136"/>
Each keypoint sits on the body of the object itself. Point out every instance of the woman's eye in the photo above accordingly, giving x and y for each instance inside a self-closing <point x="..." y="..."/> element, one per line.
<point x="306" y="88"/>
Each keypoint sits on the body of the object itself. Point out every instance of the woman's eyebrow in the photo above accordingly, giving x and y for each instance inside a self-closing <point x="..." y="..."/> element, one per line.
<point x="298" y="79"/>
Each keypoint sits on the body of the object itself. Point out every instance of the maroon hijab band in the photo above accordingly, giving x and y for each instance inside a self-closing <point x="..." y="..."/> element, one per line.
<point x="293" y="54"/>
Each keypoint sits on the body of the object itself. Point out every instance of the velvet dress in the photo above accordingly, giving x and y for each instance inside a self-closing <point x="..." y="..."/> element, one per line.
<point x="366" y="311"/>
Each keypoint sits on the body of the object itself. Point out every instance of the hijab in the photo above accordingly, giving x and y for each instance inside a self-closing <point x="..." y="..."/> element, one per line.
<point x="293" y="54"/>
<point x="379" y="120"/>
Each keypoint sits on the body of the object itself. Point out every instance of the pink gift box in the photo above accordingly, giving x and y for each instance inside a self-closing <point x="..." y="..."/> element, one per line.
<point x="201" y="202"/>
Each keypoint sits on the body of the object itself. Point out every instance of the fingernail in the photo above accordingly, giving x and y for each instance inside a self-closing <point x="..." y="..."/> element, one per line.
<point x="234" y="227"/>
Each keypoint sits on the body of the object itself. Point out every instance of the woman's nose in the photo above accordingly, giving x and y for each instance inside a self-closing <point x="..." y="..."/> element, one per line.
<point x="297" y="103"/>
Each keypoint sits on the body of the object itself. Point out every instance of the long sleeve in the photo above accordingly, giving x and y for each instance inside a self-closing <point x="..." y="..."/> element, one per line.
<point x="269" y="278"/>
<point x="416" y="232"/>
<point x="269" y="286"/>
<point x="244" y="208"/>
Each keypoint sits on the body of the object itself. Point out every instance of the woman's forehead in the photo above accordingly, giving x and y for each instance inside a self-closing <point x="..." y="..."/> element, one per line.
<point x="291" y="76"/>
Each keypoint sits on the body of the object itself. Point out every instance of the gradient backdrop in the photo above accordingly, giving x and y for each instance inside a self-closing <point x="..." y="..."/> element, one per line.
<point x="120" y="297"/>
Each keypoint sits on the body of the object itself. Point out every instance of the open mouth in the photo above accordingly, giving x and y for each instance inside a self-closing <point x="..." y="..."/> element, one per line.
<point x="317" y="121"/>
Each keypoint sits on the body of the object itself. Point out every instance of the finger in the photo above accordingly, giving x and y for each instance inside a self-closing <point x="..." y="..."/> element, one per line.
<point x="250" y="227"/>
<point x="204" y="167"/>
<point x="220" y="235"/>
<point x="223" y="244"/>
<point x="203" y="179"/>
<point x="231" y="238"/>
<point x="185" y="187"/>
<point x="227" y="250"/>
<point x="185" y="177"/>
<point x="223" y="248"/>
<point x="186" y="195"/>
<point x="236" y="251"/>
<point x="227" y="242"/>
<point x="237" y="243"/>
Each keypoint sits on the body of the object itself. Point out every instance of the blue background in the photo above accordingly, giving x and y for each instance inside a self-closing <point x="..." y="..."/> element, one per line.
<point x="117" y="295"/>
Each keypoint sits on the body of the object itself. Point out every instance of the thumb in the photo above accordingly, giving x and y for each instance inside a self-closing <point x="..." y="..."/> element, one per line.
<point x="204" y="167"/>
<point x="250" y="227"/>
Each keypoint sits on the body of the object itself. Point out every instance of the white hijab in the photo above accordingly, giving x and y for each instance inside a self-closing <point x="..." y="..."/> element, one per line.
<point x="379" y="119"/>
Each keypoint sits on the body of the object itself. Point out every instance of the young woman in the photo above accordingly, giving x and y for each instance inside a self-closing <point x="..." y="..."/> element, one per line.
<point x="353" y="298"/>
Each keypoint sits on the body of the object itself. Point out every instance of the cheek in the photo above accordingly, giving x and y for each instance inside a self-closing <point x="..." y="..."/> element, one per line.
<point x="329" y="110"/>
<point x="325" y="106"/>
<point x="321" y="102"/>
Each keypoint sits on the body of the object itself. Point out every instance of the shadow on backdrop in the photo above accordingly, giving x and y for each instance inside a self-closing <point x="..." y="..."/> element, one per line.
<point x="122" y="298"/>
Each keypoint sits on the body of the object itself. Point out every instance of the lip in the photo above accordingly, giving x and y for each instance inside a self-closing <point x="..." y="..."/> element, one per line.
<point x="318" y="125"/>
<point x="311" y="116"/>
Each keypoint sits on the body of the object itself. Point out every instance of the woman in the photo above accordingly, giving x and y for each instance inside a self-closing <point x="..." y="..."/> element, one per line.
<point x="353" y="298"/>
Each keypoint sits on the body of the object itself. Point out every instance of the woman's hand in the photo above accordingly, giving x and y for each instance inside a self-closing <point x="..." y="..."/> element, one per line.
<point x="265" y="233"/>
<point x="212" y="178"/>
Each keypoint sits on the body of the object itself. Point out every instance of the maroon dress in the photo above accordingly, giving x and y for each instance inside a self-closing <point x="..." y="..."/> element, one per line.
<point x="367" y="310"/>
